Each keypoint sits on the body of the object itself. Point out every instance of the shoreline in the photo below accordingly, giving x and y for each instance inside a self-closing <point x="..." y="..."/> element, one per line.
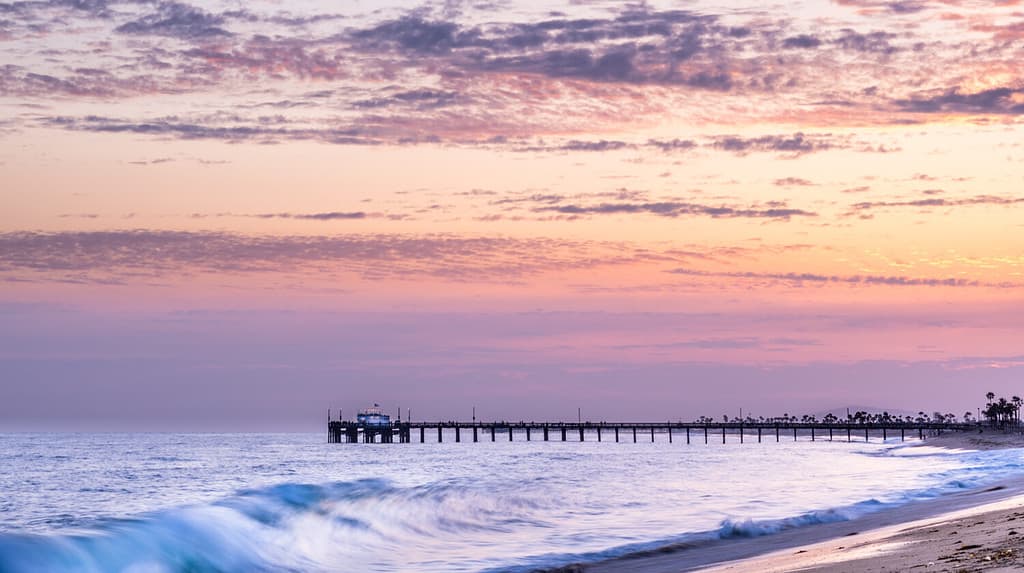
<point x="975" y="538"/>
<point x="918" y="534"/>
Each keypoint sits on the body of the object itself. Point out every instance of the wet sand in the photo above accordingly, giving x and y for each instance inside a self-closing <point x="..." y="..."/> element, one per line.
<point x="985" y="538"/>
<point x="976" y="530"/>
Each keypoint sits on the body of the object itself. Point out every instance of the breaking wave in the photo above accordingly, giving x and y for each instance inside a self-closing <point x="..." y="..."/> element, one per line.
<point x="529" y="511"/>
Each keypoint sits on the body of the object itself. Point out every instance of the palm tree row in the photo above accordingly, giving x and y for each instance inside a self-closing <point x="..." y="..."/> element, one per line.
<point x="1001" y="412"/>
<point x="859" y="417"/>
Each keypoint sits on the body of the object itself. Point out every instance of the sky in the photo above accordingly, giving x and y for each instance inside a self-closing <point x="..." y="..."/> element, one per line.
<point x="236" y="215"/>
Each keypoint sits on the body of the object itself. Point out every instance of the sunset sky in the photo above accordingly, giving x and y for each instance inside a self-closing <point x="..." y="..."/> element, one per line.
<point x="234" y="215"/>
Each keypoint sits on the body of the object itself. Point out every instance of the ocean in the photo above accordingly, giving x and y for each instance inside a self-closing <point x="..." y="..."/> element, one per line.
<point x="155" y="503"/>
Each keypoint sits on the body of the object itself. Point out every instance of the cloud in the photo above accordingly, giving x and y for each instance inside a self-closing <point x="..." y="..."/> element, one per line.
<point x="1004" y="33"/>
<point x="793" y="145"/>
<point x="156" y="161"/>
<point x="430" y="74"/>
<point x="80" y="82"/>
<point x="637" y="45"/>
<point x="143" y="255"/>
<point x="416" y="35"/>
<point x="622" y="64"/>
<point x="725" y="343"/>
<point x="1003" y="100"/>
<point x="668" y="145"/>
<point x="376" y="131"/>
<point x="796" y="144"/>
<point x="734" y="343"/>
<point x="803" y="41"/>
<point x="275" y="57"/>
<point x="793" y="182"/>
<point x="866" y="280"/>
<point x="543" y="198"/>
<point x="678" y="209"/>
<point x="574" y="145"/>
<point x="327" y="216"/>
<point x="210" y="128"/>
<point x="419" y="98"/>
<point x="937" y="202"/>
<point x="877" y="42"/>
<point x="177" y="20"/>
<point x="875" y="7"/>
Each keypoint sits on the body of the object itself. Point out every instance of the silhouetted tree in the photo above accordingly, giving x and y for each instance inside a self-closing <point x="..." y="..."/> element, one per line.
<point x="1002" y="411"/>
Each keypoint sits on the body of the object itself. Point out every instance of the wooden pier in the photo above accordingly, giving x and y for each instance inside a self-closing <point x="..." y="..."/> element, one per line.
<point x="340" y="431"/>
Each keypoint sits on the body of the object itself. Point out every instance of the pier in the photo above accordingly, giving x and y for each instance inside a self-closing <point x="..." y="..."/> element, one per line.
<point x="342" y="431"/>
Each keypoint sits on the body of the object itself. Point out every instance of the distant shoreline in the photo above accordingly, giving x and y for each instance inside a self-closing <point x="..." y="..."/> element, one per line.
<point x="895" y="539"/>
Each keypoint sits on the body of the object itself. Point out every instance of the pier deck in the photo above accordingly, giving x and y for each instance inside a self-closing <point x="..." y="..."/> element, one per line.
<point x="339" y="431"/>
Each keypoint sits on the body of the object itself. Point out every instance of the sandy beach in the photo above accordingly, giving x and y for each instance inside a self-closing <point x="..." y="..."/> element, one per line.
<point x="977" y="530"/>
<point x="983" y="538"/>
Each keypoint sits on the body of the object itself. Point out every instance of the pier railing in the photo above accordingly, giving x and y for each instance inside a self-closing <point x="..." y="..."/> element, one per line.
<point x="339" y="431"/>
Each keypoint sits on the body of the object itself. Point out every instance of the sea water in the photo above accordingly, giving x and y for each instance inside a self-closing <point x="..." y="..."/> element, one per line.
<point x="158" y="503"/>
